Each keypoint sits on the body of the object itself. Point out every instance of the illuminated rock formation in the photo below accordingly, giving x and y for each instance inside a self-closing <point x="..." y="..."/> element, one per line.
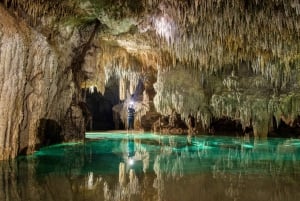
<point x="39" y="101"/>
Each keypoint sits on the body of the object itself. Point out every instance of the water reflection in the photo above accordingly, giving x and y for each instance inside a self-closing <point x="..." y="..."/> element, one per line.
<point x="153" y="167"/>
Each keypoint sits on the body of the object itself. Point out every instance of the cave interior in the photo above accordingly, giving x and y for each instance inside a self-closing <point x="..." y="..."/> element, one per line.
<point x="71" y="66"/>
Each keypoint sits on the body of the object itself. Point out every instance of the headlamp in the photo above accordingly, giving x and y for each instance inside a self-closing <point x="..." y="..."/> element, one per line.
<point x="131" y="161"/>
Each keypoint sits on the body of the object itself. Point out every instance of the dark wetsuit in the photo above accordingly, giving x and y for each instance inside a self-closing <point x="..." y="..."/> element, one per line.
<point x="130" y="118"/>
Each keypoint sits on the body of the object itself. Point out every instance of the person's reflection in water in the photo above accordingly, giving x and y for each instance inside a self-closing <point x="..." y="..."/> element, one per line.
<point x="131" y="150"/>
<point x="128" y="160"/>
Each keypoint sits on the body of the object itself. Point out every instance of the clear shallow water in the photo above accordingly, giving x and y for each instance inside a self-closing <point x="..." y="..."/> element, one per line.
<point x="151" y="167"/>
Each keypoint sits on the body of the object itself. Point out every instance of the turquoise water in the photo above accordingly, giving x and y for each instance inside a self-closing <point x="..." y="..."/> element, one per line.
<point x="112" y="166"/>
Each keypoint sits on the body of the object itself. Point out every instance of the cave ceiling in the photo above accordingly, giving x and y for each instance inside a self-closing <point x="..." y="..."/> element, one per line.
<point x="203" y="34"/>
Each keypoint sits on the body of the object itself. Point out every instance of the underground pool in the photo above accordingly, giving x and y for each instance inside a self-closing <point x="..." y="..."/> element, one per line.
<point x="121" y="166"/>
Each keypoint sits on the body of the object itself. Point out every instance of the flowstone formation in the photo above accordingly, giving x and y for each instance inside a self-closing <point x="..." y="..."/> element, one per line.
<point x="40" y="100"/>
<point x="214" y="59"/>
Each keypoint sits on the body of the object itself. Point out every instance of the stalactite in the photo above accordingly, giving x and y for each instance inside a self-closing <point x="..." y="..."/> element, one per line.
<point x="122" y="89"/>
<point x="233" y="20"/>
<point x="37" y="9"/>
<point x="133" y="84"/>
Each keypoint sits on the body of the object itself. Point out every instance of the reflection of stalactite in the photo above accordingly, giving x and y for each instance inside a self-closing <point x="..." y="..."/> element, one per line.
<point x="106" y="192"/>
<point x="122" y="174"/>
<point x="125" y="189"/>
<point x="286" y="160"/>
<point x="134" y="187"/>
<point x="159" y="180"/>
<point x="9" y="184"/>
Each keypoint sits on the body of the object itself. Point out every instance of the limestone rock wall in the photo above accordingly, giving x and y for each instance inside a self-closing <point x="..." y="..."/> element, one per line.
<point x="36" y="84"/>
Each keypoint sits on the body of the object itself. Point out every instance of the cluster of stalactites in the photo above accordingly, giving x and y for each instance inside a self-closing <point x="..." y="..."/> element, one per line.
<point x="127" y="86"/>
<point x="128" y="78"/>
<point x="256" y="98"/>
<point x="182" y="90"/>
<point x="250" y="97"/>
<point x="128" y="68"/>
<point x="117" y="63"/>
<point x="212" y="33"/>
<point x="257" y="111"/>
<point x="39" y="8"/>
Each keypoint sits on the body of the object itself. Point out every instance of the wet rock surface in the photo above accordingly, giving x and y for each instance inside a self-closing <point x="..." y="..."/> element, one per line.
<point x="37" y="84"/>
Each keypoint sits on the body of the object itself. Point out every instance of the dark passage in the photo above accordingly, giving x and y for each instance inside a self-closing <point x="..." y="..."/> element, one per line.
<point x="100" y="106"/>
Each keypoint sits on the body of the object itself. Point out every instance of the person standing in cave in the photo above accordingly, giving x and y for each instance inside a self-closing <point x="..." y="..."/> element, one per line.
<point x="130" y="117"/>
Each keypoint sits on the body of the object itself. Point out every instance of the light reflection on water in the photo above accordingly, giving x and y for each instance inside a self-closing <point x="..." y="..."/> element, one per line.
<point x="152" y="167"/>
